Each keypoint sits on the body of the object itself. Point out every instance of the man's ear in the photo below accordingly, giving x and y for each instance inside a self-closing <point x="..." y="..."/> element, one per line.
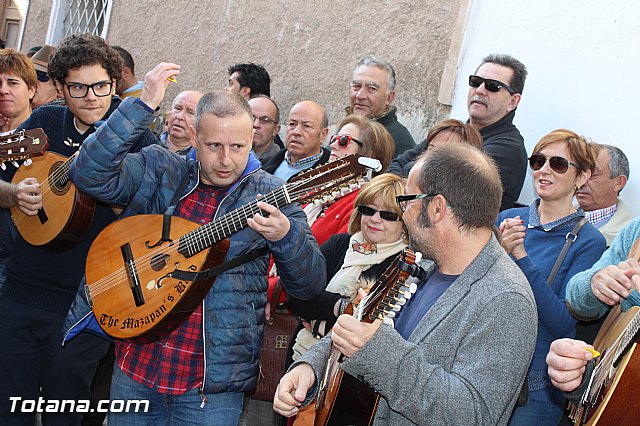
<point x="390" y="97"/>
<point x="245" y="91"/>
<point x="513" y="103"/>
<point x="323" y="134"/>
<point x="438" y="206"/>
<point x="192" y="136"/>
<point x="126" y="73"/>
<point x="619" y="182"/>
<point x="276" y="130"/>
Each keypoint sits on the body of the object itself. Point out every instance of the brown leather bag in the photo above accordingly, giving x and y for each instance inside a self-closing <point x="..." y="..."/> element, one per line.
<point x="275" y="342"/>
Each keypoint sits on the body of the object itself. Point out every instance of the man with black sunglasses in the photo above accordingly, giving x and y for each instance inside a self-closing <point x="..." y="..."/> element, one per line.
<point x="46" y="93"/>
<point x="43" y="280"/>
<point x="495" y="91"/>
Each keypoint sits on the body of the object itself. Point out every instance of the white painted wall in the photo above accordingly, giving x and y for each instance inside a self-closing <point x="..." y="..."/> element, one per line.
<point x="583" y="58"/>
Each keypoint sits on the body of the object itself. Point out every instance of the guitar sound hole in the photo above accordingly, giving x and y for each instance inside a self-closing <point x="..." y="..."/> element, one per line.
<point x="58" y="181"/>
<point x="159" y="261"/>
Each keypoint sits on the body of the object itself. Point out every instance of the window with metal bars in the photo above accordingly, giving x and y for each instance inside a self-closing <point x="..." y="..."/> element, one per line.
<point x="77" y="17"/>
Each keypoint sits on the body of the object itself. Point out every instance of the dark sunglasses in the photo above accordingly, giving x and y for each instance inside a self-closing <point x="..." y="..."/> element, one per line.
<point x="404" y="200"/>
<point x="489" y="84"/>
<point x="344" y="140"/>
<point x="43" y="77"/>
<point x="370" y="211"/>
<point x="557" y="164"/>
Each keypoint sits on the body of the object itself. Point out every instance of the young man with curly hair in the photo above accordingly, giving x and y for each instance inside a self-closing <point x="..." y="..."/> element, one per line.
<point x="42" y="280"/>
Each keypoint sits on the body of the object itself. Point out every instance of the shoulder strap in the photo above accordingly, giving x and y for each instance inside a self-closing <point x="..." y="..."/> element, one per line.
<point x="569" y="239"/>
<point x="275" y="296"/>
<point x="217" y="270"/>
<point x="168" y="213"/>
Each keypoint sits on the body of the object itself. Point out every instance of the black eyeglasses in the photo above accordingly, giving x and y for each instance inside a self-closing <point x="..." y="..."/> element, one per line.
<point x="264" y="119"/>
<point x="489" y="84"/>
<point x="43" y="77"/>
<point x="344" y="140"/>
<point x="370" y="211"/>
<point x="557" y="164"/>
<point x="404" y="200"/>
<point x="80" y="90"/>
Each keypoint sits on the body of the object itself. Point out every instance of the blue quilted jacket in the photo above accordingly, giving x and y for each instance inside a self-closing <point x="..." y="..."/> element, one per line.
<point x="146" y="182"/>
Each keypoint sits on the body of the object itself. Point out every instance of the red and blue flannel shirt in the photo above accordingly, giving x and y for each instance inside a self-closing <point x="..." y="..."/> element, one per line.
<point x="174" y="364"/>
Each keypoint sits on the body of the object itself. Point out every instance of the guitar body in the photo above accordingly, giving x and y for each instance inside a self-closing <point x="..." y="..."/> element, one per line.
<point x="129" y="268"/>
<point x="347" y="401"/>
<point x="66" y="213"/>
<point x="616" y="402"/>
<point x="167" y="301"/>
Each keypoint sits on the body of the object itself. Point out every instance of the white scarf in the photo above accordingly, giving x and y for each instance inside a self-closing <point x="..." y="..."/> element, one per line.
<point x="359" y="257"/>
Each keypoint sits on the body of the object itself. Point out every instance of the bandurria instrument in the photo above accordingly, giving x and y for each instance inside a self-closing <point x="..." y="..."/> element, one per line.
<point x="135" y="273"/>
<point x="66" y="213"/>
<point x="343" y="399"/>
<point x="610" y="397"/>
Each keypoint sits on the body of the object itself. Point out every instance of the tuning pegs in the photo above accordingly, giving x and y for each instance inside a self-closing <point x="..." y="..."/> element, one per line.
<point x="27" y="162"/>
<point x="15" y="164"/>
<point x="3" y="166"/>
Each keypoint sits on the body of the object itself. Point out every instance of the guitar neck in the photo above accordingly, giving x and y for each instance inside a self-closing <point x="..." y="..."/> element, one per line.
<point x="232" y="222"/>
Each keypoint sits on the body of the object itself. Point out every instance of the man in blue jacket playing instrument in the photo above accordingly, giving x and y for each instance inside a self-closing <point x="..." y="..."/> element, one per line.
<point x="198" y="373"/>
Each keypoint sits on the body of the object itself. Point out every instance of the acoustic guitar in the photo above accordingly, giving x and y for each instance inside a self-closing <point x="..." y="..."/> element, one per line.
<point x="130" y="268"/>
<point x="66" y="213"/>
<point x="343" y="399"/>
<point x="611" y="395"/>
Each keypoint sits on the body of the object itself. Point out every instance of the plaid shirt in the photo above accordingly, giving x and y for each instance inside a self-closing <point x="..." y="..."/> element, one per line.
<point x="174" y="364"/>
<point x="601" y="216"/>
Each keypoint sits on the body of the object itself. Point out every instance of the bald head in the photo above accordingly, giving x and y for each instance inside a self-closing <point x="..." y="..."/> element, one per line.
<point x="306" y="130"/>
<point x="181" y="118"/>
<point x="468" y="180"/>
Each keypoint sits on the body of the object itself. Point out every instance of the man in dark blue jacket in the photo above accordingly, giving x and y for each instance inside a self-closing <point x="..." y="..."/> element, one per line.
<point x="198" y="373"/>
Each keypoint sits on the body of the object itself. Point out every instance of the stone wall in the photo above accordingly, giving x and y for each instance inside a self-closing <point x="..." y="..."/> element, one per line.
<point x="309" y="47"/>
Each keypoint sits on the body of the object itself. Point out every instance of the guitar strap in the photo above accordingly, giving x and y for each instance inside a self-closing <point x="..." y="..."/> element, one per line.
<point x="569" y="239"/>
<point x="217" y="270"/>
<point x="166" y="217"/>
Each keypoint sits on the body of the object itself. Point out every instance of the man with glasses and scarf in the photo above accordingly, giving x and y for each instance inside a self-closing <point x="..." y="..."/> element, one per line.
<point x="495" y="90"/>
<point x="468" y="332"/>
<point x="42" y="280"/>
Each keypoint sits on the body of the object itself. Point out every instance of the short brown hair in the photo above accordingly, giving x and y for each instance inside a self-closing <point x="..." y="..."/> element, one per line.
<point x="464" y="132"/>
<point x="81" y="50"/>
<point x="376" y="140"/>
<point x="18" y="64"/>
<point x="383" y="188"/>
<point x="582" y="153"/>
<point x="467" y="178"/>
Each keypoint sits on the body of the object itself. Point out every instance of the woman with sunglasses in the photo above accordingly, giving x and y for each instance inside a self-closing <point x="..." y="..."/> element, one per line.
<point x="354" y="260"/>
<point x="18" y="83"/>
<point x="356" y="135"/>
<point x="534" y="236"/>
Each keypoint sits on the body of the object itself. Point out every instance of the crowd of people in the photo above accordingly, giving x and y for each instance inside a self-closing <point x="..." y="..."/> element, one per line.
<point x="492" y="335"/>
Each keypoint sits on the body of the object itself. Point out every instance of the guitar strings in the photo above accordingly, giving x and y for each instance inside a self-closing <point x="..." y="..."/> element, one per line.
<point x="203" y="237"/>
<point x="613" y="353"/>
